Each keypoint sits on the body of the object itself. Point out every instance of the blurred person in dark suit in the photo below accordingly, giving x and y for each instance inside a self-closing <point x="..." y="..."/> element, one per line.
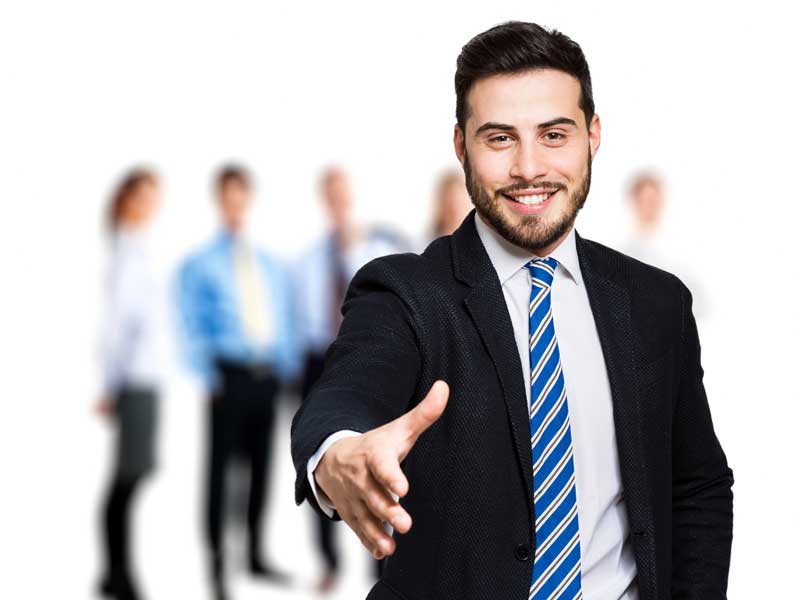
<point x="451" y="204"/>
<point x="535" y="398"/>
<point x="321" y="279"/>
<point x="234" y="302"/>
<point x="131" y="368"/>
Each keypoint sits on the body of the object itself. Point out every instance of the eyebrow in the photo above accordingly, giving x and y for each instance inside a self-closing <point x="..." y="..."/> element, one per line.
<point x="557" y="121"/>
<point x="491" y="125"/>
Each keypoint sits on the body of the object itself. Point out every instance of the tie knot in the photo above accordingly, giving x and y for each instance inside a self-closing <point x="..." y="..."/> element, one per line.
<point x="542" y="271"/>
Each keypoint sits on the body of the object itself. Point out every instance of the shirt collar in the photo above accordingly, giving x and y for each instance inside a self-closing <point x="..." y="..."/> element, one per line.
<point x="507" y="258"/>
<point x="229" y="239"/>
<point x="126" y="237"/>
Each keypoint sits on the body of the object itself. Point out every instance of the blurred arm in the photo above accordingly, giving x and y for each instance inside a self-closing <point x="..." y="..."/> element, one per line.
<point x="290" y="342"/>
<point x="118" y="327"/>
<point x="191" y="300"/>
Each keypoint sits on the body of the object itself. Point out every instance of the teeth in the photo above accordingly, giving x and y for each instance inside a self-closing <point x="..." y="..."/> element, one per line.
<point x="532" y="200"/>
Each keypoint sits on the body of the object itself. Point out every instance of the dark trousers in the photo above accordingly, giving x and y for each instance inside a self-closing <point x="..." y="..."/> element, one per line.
<point x="326" y="538"/>
<point x="241" y="423"/>
<point x="135" y="416"/>
<point x="116" y="523"/>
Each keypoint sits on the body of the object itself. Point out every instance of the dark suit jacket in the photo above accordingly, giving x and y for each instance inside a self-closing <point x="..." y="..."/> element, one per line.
<point x="410" y="320"/>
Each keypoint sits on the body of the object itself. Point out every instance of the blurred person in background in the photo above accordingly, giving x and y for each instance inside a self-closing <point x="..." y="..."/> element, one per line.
<point x="451" y="204"/>
<point x="321" y="279"/>
<point x="234" y="304"/>
<point x="646" y="200"/>
<point x="647" y="241"/>
<point x="130" y="358"/>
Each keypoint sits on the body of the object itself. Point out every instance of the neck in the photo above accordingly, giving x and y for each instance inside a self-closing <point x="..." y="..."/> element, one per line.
<point x="233" y="232"/>
<point x="346" y="234"/>
<point x="131" y="227"/>
<point x="540" y="252"/>
<point x="547" y="251"/>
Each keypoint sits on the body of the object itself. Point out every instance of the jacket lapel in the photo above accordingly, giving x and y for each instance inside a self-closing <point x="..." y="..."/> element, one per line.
<point x="487" y="308"/>
<point x="609" y="297"/>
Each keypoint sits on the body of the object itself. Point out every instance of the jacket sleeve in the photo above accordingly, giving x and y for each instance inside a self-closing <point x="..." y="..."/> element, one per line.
<point x="371" y="369"/>
<point x="702" y="500"/>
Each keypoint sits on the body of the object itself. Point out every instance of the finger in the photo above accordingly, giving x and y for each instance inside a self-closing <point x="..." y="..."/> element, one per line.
<point x="426" y="413"/>
<point x="385" y="468"/>
<point x="371" y="532"/>
<point x="385" y="508"/>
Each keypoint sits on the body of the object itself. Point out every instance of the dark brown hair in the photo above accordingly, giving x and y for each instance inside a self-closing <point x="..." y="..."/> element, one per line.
<point x="515" y="47"/>
<point x="232" y="172"/>
<point x="129" y="183"/>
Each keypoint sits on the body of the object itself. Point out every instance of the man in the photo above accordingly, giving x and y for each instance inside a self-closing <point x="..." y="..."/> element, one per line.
<point x="647" y="241"/>
<point x="235" y="307"/>
<point x="542" y="392"/>
<point x="322" y="277"/>
<point x="451" y="204"/>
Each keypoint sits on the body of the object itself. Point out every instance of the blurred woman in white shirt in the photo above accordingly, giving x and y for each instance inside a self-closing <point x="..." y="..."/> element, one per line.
<point x="131" y="368"/>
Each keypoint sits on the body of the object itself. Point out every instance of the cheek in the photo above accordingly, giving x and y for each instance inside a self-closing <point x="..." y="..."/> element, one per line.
<point x="491" y="169"/>
<point x="569" y="165"/>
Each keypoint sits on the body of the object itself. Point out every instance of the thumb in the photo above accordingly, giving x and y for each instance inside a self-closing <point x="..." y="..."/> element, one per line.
<point x="426" y="413"/>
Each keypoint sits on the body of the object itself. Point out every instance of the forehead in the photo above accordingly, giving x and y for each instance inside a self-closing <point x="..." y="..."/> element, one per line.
<point x="525" y="98"/>
<point x="233" y="183"/>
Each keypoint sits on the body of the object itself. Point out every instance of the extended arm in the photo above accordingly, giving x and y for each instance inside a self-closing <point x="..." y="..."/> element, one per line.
<point x="371" y="371"/>
<point x="370" y="380"/>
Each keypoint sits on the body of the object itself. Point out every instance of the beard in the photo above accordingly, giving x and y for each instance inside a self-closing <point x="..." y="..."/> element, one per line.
<point x="532" y="232"/>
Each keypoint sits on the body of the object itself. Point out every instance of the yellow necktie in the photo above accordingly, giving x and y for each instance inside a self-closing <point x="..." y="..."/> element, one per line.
<point x="253" y="301"/>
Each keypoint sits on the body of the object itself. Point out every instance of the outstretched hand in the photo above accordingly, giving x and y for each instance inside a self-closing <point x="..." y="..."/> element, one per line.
<point x="360" y="473"/>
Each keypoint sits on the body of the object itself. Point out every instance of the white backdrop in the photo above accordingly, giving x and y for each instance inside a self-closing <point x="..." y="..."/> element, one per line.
<point x="706" y="92"/>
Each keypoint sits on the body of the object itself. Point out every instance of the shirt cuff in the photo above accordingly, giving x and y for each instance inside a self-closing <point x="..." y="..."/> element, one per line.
<point x="324" y="502"/>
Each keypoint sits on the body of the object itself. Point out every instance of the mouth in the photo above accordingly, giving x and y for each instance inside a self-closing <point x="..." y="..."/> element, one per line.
<point x="530" y="201"/>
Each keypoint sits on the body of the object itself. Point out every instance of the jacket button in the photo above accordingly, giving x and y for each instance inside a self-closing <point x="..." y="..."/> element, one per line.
<point x="522" y="552"/>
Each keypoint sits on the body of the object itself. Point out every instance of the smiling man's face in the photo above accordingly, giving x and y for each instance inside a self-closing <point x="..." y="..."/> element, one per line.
<point x="527" y="155"/>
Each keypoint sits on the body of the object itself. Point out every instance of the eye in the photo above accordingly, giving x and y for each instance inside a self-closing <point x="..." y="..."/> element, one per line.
<point x="500" y="139"/>
<point x="554" y="136"/>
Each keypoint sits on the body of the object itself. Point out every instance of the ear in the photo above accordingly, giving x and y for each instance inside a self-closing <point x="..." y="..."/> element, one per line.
<point x="459" y="143"/>
<point x="594" y="135"/>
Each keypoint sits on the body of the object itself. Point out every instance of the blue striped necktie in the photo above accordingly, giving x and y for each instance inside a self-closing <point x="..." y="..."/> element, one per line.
<point x="557" y="562"/>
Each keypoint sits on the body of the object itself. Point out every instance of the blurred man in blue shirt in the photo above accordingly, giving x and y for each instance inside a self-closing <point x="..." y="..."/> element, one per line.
<point x="236" y="316"/>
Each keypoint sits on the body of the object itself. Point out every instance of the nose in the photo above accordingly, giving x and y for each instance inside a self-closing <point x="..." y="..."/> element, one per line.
<point x="529" y="162"/>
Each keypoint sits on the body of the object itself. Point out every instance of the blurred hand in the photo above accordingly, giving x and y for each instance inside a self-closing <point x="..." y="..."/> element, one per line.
<point x="104" y="407"/>
<point x="359" y="473"/>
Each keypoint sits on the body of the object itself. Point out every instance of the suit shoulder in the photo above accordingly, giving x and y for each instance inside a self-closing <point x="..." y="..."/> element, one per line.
<point x="431" y="264"/>
<point x="390" y="268"/>
<point x="638" y="273"/>
<point x="407" y="274"/>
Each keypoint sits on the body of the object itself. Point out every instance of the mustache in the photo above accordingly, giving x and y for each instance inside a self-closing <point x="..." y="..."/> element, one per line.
<point x="545" y="186"/>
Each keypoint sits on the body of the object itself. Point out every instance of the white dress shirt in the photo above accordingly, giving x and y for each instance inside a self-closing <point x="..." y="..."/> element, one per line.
<point x="131" y="347"/>
<point x="608" y="568"/>
<point x="314" y="284"/>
